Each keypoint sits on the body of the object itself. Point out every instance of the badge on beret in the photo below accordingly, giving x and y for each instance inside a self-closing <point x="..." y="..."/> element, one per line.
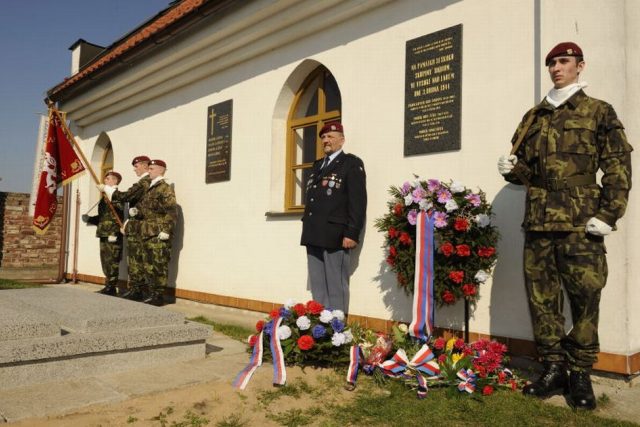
<point x="332" y="183"/>
<point x="324" y="182"/>
<point x="329" y="192"/>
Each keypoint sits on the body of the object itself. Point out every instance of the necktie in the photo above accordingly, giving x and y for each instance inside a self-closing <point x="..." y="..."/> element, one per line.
<point x="325" y="163"/>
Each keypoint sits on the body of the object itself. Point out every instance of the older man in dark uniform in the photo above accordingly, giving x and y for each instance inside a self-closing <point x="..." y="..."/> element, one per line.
<point x="558" y="148"/>
<point x="108" y="231"/>
<point x="335" y="206"/>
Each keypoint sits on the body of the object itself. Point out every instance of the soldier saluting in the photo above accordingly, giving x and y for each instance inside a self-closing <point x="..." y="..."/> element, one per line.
<point x="558" y="148"/>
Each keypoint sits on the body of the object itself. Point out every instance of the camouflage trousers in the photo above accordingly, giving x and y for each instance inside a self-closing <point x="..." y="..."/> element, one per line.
<point x="157" y="254"/>
<point x="110" y="256"/>
<point x="135" y="261"/>
<point x="576" y="261"/>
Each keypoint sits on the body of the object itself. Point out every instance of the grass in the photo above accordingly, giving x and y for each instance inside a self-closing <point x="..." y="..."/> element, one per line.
<point x="12" y="284"/>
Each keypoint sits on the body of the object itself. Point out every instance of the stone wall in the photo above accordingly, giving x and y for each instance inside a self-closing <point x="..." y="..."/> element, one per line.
<point x="20" y="246"/>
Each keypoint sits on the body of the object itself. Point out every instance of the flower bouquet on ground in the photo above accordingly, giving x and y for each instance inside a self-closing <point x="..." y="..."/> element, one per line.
<point x="309" y="334"/>
<point x="465" y="240"/>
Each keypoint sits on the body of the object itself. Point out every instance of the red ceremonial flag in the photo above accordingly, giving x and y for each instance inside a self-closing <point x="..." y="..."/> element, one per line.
<point x="61" y="164"/>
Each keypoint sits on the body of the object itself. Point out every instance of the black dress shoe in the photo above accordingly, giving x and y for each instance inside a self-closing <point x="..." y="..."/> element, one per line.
<point x="133" y="294"/>
<point x="552" y="381"/>
<point x="154" y="299"/>
<point x="580" y="390"/>
<point x="108" y="290"/>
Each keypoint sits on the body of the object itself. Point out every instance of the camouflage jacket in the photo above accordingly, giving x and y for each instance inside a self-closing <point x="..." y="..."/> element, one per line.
<point x="107" y="225"/>
<point x="561" y="153"/>
<point x="157" y="210"/>
<point x="132" y="196"/>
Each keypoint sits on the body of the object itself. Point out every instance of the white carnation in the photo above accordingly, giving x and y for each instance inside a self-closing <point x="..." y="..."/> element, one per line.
<point x="338" y="314"/>
<point x="425" y="204"/>
<point x="325" y="316"/>
<point x="303" y="323"/>
<point x="456" y="187"/>
<point x="348" y="336"/>
<point x="482" y="220"/>
<point x="338" y="339"/>
<point x="481" y="276"/>
<point x="290" y="303"/>
<point x="408" y="199"/>
<point x="451" y="205"/>
<point x="403" y="328"/>
<point x="284" y="332"/>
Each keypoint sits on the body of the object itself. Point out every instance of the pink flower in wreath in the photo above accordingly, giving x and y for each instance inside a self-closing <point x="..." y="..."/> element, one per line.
<point x="433" y="185"/>
<point x="440" y="219"/>
<point x="444" y="195"/>
<point x="474" y="199"/>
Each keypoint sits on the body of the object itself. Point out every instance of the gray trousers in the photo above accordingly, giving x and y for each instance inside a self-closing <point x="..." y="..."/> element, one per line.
<point x="329" y="277"/>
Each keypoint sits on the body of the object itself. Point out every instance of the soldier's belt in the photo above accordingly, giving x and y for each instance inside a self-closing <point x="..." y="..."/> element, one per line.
<point x="557" y="184"/>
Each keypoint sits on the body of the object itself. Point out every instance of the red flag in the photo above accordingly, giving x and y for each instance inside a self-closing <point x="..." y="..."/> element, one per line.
<point x="61" y="164"/>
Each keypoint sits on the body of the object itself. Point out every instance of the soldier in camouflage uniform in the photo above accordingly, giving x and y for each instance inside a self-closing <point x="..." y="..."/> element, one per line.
<point x="158" y="214"/>
<point x="108" y="232"/>
<point x="132" y="196"/>
<point x="566" y="139"/>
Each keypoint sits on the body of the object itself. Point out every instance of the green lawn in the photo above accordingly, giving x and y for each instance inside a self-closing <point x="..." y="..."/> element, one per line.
<point x="12" y="284"/>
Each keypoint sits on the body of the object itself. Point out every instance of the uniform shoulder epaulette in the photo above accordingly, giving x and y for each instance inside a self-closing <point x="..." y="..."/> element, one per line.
<point x="353" y="157"/>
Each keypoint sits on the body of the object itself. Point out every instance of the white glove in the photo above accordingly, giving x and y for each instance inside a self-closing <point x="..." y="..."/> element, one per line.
<point x="133" y="211"/>
<point x="112" y="239"/>
<point x="100" y="187"/>
<point x="163" y="236"/>
<point x="597" y="227"/>
<point x="506" y="164"/>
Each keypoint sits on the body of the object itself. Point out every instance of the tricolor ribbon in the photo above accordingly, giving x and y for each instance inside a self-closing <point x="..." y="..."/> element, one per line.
<point x="421" y="326"/>
<point x="467" y="380"/>
<point x="423" y="362"/>
<point x="422" y="386"/>
<point x="279" y="370"/>
<point x="242" y="379"/>
<point x="354" y="363"/>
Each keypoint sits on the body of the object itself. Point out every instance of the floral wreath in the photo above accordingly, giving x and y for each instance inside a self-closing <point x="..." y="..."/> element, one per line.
<point x="465" y="239"/>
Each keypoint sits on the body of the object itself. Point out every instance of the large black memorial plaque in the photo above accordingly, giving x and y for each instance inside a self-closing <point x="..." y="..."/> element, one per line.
<point x="433" y="86"/>
<point x="219" y="120"/>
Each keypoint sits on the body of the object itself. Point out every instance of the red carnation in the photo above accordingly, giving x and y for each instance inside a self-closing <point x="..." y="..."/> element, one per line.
<point x="393" y="251"/>
<point x="458" y="344"/>
<point x="513" y="384"/>
<point x="442" y="358"/>
<point x="405" y="239"/>
<point x="486" y="251"/>
<point x="439" y="343"/>
<point x="448" y="297"/>
<point x="501" y="377"/>
<point x="253" y="339"/>
<point x="314" y="307"/>
<point x="487" y="390"/>
<point x="469" y="289"/>
<point x="397" y="209"/>
<point x="259" y="325"/>
<point x="463" y="250"/>
<point x="274" y="313"/>
<point x="391" y="260"/>
<point x="401" y="279"/>
<point x="456" y="276"/>
<point x="461" y="224"/>
<point x="447" y="249"/>
<point x="306" y="342"/>
<point x="299" y="309"/>
<point x="393" y="233"/>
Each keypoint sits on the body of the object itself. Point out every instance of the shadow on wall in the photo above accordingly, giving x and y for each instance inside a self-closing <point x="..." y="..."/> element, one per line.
<point x="508" y="308"/>
<point x="176" y="248"/>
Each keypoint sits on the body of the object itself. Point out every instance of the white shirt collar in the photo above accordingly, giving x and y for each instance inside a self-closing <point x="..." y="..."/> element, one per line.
<point x="334" y="155"/>
<point x="557" y="97"/>
<point x="156" y="180"/>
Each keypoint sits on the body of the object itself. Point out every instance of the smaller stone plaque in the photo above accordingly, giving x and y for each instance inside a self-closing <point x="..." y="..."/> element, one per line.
<point x="219" y="121"/>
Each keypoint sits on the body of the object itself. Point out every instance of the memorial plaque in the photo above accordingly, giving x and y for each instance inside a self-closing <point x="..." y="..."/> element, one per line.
<point x="219" y="120"/>
<point x="433" y="87"/>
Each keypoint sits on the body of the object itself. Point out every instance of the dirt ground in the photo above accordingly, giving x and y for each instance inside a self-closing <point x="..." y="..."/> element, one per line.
<point x="216" y="401"/>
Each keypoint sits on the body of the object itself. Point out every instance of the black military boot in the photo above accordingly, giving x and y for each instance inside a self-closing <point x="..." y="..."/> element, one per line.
<point x="108" y="290"/>
<point x="155" y="298"/>
<point x="133" y="294"/>
<point x="552" y="381"/>
<point x="580" y="390"/>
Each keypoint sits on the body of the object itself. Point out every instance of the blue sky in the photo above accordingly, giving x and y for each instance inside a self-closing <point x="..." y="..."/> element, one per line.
<point x="34" y="39"/>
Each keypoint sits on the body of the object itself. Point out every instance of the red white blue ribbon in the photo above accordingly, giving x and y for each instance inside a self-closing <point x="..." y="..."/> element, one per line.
<point x="354" y="363"/>
<point x="242" y="379"/>
<point x="279" y="370"/>
<point x="467" y="380"/>
<point x="421" y="326"/>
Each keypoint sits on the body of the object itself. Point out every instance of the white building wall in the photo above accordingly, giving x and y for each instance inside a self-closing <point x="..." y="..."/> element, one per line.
<point x="227" y="246"/>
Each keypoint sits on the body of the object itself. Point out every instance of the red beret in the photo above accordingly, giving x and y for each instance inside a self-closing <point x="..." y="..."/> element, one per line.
<point x="116" y="174"/>
<point x="158" y="162"/>
<point x="563" y="49"/>
<point x="331" y="127"/>
<point x="140" y="159"/>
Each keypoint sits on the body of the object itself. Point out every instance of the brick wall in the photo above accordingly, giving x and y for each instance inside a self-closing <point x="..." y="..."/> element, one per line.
<point x="20" y="245"/>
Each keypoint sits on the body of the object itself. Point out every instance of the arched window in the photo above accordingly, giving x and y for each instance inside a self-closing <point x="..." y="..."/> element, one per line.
<point x="107" y="161"/>
<point x="317" y="101"/>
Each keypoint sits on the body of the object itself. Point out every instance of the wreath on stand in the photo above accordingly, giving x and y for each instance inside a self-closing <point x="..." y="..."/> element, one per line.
<point x="465" y="239"/>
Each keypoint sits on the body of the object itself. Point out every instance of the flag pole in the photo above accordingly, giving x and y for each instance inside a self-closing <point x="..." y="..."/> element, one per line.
<point x="63" y="123"/>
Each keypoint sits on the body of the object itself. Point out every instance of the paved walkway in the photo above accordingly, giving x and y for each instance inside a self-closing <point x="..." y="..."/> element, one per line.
<point x="225" y="358"/>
